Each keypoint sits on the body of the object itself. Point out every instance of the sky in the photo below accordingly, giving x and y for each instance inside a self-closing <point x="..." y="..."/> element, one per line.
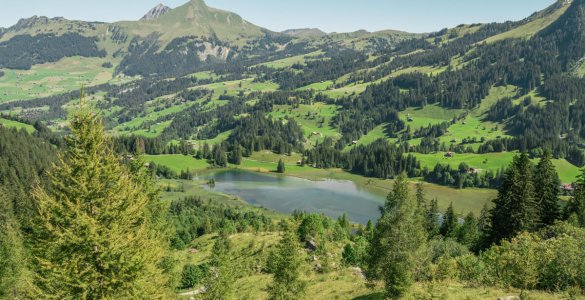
<point x="277" y="15"/>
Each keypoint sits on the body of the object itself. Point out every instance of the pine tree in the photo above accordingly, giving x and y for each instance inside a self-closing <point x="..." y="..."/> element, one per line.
<point x="547" y="188"/>
<point x="280" y="168"/>
<point x="12" y="260"/>
<point x="286" y="264"/>
<point x="95" y="234"/>
<point x="515" y="207"/>
<point x="575" y="210"/>
<point x="450" y="223"/>
<point x="468" y="233"/>
<point x="398" y="239"/>
<point x="421" y="201"/>
<point x="222" y="275"/>
<point x="432" y="219"/>
<point x="236" y="157"/>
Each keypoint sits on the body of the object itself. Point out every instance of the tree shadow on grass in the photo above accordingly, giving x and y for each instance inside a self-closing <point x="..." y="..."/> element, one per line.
<point x="373" y="296"/>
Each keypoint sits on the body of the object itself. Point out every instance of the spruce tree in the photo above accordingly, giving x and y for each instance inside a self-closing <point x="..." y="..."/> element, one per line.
<point x="432" y="219"/>
<point x="286" y="264"/>
<point x="221" y="276"/>
<point x="399" y="238"/>
<point x="280" y="168"/>
<point x="468" y="233"/>
<point x="515" y="209"/>
<point x="450" y="223"/>
<point x="547" y="188"/>
<point x="575" y="210"/>
<point x="12" y="260"/>
<point x="95" y="235"/>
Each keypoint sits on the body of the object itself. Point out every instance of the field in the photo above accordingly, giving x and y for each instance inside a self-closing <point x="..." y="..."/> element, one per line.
<point x="177" y="163"/>
<point x="309" y="117"/>
<point x="51" y="78"/>
<point x="17" y="125"/>
<point x="493" y="162"/>
<point x="290" y="61"/>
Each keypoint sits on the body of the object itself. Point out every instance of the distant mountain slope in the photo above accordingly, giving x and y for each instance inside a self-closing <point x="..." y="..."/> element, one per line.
<point x="155" y="13"/>
<point x="305" y="32"/>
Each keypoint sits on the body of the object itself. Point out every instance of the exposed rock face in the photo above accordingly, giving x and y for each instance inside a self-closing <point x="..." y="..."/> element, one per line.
<point x="156" y="12"/>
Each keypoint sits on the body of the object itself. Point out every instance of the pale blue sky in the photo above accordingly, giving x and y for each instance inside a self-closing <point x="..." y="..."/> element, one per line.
<point x="328" y="15"/>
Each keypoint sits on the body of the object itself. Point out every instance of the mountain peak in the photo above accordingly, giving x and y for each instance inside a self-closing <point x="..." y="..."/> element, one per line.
<point x="156" y="12"/>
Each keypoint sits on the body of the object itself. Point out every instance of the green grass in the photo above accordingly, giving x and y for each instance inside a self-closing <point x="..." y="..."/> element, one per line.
<point x="178" y="162"/>
<point x="528" y="30"/>
<point x="290" y="61"/>
<point x="52" y="78"/>
<point x="17" y="125"/>
<point x="318" y="86"/>
<point x="496" y="93"/>
<point x="310" y="124"/>
<point x="493" y="162"/>
<point x="430" y="114"/>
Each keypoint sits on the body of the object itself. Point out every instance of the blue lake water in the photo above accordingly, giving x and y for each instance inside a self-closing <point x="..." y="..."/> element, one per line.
<point x="286" y="194"/>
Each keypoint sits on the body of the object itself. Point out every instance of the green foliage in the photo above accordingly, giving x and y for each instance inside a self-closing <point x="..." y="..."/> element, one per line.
<point x="450" y="224"/>
<point x="576" y="208"/>
<point x="515" y="207"/>
<point x="193" y="275"/>
<point x="222" y="273"/>
<point x="12" y="256"/>
<point x="286" y="264"/>
<point x="355" y="254"/>
<point x="280" y="168"/>
<point x="398" y="239"/>
<point x="96" y="231"/>
<point x="547" y="189"/>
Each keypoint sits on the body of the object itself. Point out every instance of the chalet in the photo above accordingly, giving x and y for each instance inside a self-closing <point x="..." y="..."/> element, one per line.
<point x="449" y="154"/>
<point x="354" y="142"/>
<point x="567" y="187"/>
<point x="300" y="162"/>
<point x="454" y="141"/>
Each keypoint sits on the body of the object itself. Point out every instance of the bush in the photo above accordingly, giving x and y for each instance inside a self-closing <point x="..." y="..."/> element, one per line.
<point x="193" y="275"/>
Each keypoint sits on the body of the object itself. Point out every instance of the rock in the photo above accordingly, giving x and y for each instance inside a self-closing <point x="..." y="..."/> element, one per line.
<point x="509" y="298"/>
<point x="359" y="272"/>
<point x="155" y="13"/>
<point x="310" y="245"/>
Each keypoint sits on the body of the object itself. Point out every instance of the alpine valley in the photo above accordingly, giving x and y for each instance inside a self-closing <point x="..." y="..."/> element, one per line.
<point x="236" y="162"/>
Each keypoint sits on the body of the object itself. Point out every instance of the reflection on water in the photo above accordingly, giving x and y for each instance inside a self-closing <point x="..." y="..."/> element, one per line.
<point x="285" y="194"/>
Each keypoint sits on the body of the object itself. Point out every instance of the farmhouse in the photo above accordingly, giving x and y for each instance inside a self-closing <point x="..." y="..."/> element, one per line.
<point x="449" y="154"/>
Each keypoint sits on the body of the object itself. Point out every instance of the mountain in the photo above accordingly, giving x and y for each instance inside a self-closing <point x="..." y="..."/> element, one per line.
<point x="155" y="13"/>
<point x="305" y="32"/>
<point x="195" y="18"/>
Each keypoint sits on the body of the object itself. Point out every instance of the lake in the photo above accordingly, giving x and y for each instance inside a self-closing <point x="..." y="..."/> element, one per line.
<point x="286" y="194"/>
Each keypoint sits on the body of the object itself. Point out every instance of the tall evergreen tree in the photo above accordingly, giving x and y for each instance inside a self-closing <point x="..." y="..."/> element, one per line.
<point x="12" y="260"/>
<point x="547" y="190"/>
<point x="468" y="233"/>
<point x="94" y="235"/>
<point x="450" y="223"/>
<point x="280" y="168"/>
<point x="575" y="210"/>
<point x="432" y="219"/>
<point x="221" y="277"/>
<point x="399" y="237"/>
<point x="515" y="207"/>
<point x="287" y="262"/>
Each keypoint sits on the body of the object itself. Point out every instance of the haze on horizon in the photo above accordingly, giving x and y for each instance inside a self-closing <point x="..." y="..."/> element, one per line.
<point x="327" y="15"/>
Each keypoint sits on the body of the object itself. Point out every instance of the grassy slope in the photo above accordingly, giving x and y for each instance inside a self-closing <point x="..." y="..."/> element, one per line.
<point x="17" y="125"/>
<point x="53" y="78"/>
<point x="340" y="283"/>
<point x="531" y="28"/>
